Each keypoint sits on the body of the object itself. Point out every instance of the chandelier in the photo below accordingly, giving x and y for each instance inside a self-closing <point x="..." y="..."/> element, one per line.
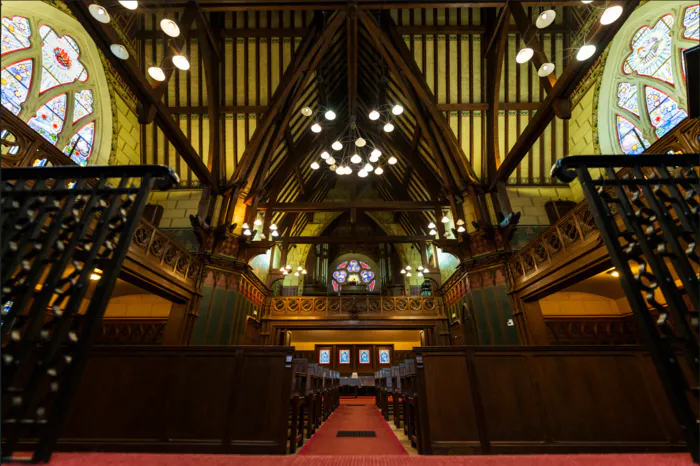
<point x="352" y="150"/>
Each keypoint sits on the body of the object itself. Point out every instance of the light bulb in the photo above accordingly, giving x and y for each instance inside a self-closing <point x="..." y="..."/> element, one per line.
<point x="337" y="145"/>
<point x="610" y="15"/>
<point x="99" y="13"/>
<point x="325" y="155"/>
<point x="368" y="168"/>
<point x="288" y="267"/>
<point x="460" y="222"/>
<point x="392" y="160"/>
<point x="245" y="226"/>
<point x="129" y="4"/>
<point x="362" y="174"/>
<point x="96" y="274"/>
<point x="615" y="273"/>
<point x="420" y="267"/>
<point x="119" y="51"/>
<point x="348" y="171"/>
<point x="378" y="171"/>
<point x="316" y="128"/>
<point x="332" y="168"/>
<point x="408" y="274"/>
<point x="545" y="70"/>
<point x="247" y="232"/>
<point x="374" y="115"/>
<point x="373" y="159"/>
<point x="274" y="233"/>
<point x="397" y="109"/>
<point x="524" y="55"/>
<point x="586" y="1"/>
<point x="273" y="227"/>
<point x="303" y="272"/>
<point x="360" y="142"/>
<point x="300" y="268"/>
<point x="296" y="274"/>
<point x="181" y="62"/>
<point x="426" y="271"/>
<point x="388" y="127"/>
<point x="545" y="19"/>
<point x="420" y="274"/>
<point x="445" y="219"/>
<point x="306" y="111"/>
<point x="355" y="158"/>
<point x="585" y="52"/>
<point x="460" y="229"/>
<point x="330" y="160"/>
<point x="314" y="165"/>
<point x="376" y="153"/>
<point x="257" y="222"/>
<point x="340" y="170"/>
<point x="432" y="232"/>
<point x="170" y="27"/>
<point x="403" y="271"/>
<point x="156" y="73"/>
<point x="282" y="270"/>
<point x="330" y="115"/>
<point x="408" y="267"/>
<point x="431" y="225"/>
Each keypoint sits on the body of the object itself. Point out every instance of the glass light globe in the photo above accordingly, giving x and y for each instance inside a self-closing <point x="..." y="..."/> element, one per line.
<point x="585" y="52"/>
<point x="445" y="219"/>
<point x="325" y="155"/>
<point x="99" y="13"/>
<point x="119" y="51"/>
<point x="545" y="19"/>
<point x="316" y="128"/>
<point x="330" y="115"/>
<point x="420" y="274"/>
<point x="403" y="270"/>
<point x="360" y="142"/>
<point x="374" y="115"/>
<point x="586" y="1"/>
<point x="460" y="229"/>
<point x="156" y="73"/>
<point x="341" y="170"/>
<point x="181" y="62"/>
<point x="333" y="168"/>
<point x="129" y="4"/>
<point x="368" y="168"/>
<point x="433" y="232"/>
<point x="376" y="153"/>
<point x="170" y="27"/>
<point x="288" y="267"/>
<point x="314" y="165"/>
<point x="545" y="70"/>
<point x="330" y="160"/>
<point x="257" y="222"/>
<point x="388" y="127"/>
<point x="426" y="271"/>
<point x="337" y="145"/>
<point x="373" y="159"/>
<point x="274" y="233"/>
<point x="306" y="111"/>
<point x="420" y="267"/>
<point x="247" y="232"/>
<point x="356" y="158"/>
<point x="303" y="272"/>
<point x="378" y="171"/>
<point x="408" y="267"/>
<point x="245" y="226"/>
<point x="524" y="55"/>
<point x="273" y="227"/>
<point x="362" y="174"/>
<point x="296" y="274"/>
<point x="283" y="270"/>
<point x="348" y="171"/>
<point x="408" y="274"/>
<point x="610" y="15"/>
<point x="397" y="109"/>
<point x="392" y="160"/>
<point x="431" y="225"/>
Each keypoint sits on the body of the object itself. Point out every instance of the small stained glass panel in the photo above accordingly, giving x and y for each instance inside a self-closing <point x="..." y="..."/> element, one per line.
<point x="60" y="60"/>
<point x="324" y="356"/>
<point x="80" y="145"/>
<point x="384" y="357"/>
<point x="630" y="137"/>
<point x="664" y="113"/>
<point x="627" y="97"/>
<point x="49" y="119"/>
<point x="83" y="104"/>
<point x="353" y="266"/>
<point x="652" y="50"/>
<point x="365" y="265"/>
<point x="340" y="276"/>
<point x="16" y="32"/>
<point x="691" y="22"/>
<point x="342" y="265"/>
<point x="363" y="356"/>
<point x="367" y="276"/>
<point x="16" y="80"/>
<point x="344" y="356"/>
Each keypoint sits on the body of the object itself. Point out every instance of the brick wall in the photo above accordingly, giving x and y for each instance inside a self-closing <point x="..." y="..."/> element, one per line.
<point x="128" y="149"/>
<point x="178" y="205"/>
<point x="530" y="201"/>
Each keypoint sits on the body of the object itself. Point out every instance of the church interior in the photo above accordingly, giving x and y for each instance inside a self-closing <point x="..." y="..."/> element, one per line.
<point x="340" y="232"/>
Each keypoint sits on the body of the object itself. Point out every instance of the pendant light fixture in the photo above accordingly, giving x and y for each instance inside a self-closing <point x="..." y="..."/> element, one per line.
<point x="610" y="15"/>
<point x="129" y="4"/>
<point x="524" y="55"/>
<point x="156" y="73"/>
<point x="585" y="52"/>
<point x="99" y="13"/>
<point x="545" y="70"/>
<point x="545" y="18"/>
<point x="170" y="27"/>
<point x="181" y="62"/>
<point x="119" y="51"/>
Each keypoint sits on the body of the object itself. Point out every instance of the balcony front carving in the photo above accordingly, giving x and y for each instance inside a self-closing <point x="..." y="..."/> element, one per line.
<point x="355" y="306"/>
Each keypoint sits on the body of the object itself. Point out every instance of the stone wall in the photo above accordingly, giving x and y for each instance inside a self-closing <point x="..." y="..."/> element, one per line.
<point x="128" y="140"/>
<point x="177" y="205"/>
<point x="530" y="201"/>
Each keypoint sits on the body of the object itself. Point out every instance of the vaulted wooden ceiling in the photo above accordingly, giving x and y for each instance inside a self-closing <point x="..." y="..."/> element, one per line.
<point x="473" y="119"/>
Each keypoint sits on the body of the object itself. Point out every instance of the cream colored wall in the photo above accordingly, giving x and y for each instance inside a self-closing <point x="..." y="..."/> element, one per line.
<point x="177" y="205"/>
<point x="530" y="202"/>
<point x="138" y="305"/>
<point x="582" y="304"/>
<point x="128" y="141"/>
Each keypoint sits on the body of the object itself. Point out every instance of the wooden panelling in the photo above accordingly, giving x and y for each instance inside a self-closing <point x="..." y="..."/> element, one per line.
<point x="500" y="400"/>
<point x="182" y="399"/>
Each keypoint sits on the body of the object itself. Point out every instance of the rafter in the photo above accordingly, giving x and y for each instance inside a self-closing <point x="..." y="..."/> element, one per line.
<point x="567" y="82"/>
<point x="377" y="206"/>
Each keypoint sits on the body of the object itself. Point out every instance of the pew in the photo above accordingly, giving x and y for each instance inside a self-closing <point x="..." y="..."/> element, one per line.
<point x="411" y="412"/>
<point x="396" y="395"/>
<point x="548" y="399"/>
<point x="300" y="369"/>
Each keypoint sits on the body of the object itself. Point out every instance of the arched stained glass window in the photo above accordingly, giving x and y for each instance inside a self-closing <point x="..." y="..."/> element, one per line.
<point x="642" y="95"/>
<point x="353" y="272"/>
<point x="52" y="78"/>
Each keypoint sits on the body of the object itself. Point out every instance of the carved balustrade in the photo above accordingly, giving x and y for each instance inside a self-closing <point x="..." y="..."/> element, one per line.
<point x="170" y="255"/>
<point x="593" y="331"/>
<point x="132" y="332"/>
<point x="376" y="306"/>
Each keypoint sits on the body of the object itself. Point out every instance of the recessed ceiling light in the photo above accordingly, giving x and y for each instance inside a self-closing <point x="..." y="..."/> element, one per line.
<point x="156" y="73"/>
<point x="545" y="70"/>
<point x="585" y="52"/>
<point x="170" y="27"/>
<point x="181" y="62"/>
<point x="129" y="4"/>
<point x="610" y="15"/>
<point x="119" y="51"/>
<point x="524" y="55"/>
<point x="99" y="13"/>
<point x="545" y="19"/>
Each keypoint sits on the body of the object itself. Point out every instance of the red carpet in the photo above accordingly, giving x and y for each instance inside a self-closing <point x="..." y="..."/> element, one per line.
<point x="364" y="417"/>
<point x="135" y="459"/>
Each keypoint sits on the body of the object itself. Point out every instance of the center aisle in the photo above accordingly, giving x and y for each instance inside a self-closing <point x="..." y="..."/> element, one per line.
<point x="354" y="414"/>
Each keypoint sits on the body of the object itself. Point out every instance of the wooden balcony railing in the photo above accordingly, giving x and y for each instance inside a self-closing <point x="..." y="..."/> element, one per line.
<point x="132" y="332"/>
<point x="169" y="255"/>
<point x="375" y="306"/>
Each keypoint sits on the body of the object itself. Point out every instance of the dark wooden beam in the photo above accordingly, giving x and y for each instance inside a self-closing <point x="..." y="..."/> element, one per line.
<point x="498" y="29"/>
<point x="375" y="206"/>
<point x="104" y="35"/>
<point x="352" y="34"/>
<point x="567" y="82"/>
<point x="529" y="34"/>
<point x="354" y="239"/>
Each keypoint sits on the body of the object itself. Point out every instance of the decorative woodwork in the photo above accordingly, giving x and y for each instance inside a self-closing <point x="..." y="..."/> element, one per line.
<point x="592" y="330"/>
<point x="347" y="307"/>
<point x="171" y="256"/>
<point x="132" y="332"/>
